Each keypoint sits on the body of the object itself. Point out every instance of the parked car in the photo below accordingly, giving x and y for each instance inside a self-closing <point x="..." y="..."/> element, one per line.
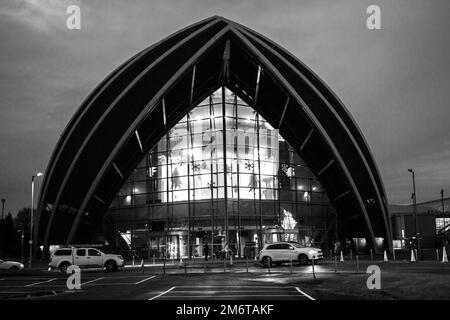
<point x="279" y="252"/>
<point x="11" y="265"/>
<point x="85" y="258"/>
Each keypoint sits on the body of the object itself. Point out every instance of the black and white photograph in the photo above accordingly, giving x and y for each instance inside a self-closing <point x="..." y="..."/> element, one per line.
<point x="224" y="158"/>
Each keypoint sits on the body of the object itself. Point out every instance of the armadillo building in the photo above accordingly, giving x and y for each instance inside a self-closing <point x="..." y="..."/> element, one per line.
<point x="215" y="134"/>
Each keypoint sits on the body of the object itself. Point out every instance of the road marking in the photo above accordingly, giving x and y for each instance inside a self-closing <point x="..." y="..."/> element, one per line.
<point x="92" y="281"/>
<point x="36" y="283"/>
<point x="149" y="278"/>
<point x="159" y="295"/>
<point x="257" y="287"/>
<point x="306" y="295"/>
<point x="269" y="296"/>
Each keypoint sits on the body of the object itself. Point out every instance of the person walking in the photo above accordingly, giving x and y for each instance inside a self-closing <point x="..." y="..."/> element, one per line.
<point x="206" y="251"/>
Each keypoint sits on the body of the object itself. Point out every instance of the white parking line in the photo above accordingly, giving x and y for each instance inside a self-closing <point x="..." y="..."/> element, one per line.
<point x="306" y="295"/>
<point x="149" y="278"/>
<point x="36" y="283"/>
<point x="237" y="286"/>
<point x="161" y="294"/>
<point x="92" y="281"/>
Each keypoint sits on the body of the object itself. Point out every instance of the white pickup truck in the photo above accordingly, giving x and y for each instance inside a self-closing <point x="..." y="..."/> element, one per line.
<point x="85" y="258"/>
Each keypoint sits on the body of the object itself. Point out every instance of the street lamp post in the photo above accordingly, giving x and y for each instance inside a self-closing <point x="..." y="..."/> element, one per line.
<point x="32" y="218"/>
<point x="3" y="224"/>
<point x="419" y="255"/>
<point x="442" y="202"/>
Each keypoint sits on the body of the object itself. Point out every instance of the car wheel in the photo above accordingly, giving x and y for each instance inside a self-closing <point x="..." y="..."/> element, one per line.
<point x="63" y="267"/>
<point x="14" y="268"/>
<point x="267" y="262"/>
<point x="303" y="259"/>
<point x="110" y="265"/>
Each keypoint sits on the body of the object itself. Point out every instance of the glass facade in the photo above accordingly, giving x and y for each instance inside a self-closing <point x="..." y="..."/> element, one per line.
<point x="221" y="175"/>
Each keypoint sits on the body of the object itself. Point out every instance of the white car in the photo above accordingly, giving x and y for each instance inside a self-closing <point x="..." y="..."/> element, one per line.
<point x="280" y="252"/>
<point x="11" y="265"/>
<point x="85" y="258"/>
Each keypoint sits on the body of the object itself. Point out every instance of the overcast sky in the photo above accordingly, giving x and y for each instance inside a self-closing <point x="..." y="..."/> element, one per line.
<point x="394" y="81"/>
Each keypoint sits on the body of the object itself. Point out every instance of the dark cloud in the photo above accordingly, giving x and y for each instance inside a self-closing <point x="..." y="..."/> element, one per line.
<point x="394" y="81"/>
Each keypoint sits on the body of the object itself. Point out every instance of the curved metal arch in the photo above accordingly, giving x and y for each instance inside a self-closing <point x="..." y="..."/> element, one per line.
<point x="80" y="112"/>
<point x="105" y="114"/>
<point x="244" y="36"/>
<point x="135" y="125"/>
<point x="341" y="121"/>
<point x="316" y="124"/>
<point x="350" y="122"/>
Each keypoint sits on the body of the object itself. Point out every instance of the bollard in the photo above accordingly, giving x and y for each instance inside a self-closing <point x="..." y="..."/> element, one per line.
<point x="393" y="253"/>
<point x="246" y="259"/>
<point x="185" y="267"/>
<point x="312" y="262"/>
<point x="357" y="264"/>
<point x="133" y="260"/>
<point x="291" y="264"/>
<point x="437" y="255"/>
<point x="231" y="259"/>
<point x="331" y="254"/>
<point x="268" y="265"/>
<point x="351" y="255"/>
<point x="371" y="254"/>
<point x="142" y="266"/>
<point x="335" y="264"/>
<point x="153" y="259"/>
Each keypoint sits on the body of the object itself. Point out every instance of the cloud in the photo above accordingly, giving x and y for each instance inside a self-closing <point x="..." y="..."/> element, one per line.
<point x="39" y="15"/>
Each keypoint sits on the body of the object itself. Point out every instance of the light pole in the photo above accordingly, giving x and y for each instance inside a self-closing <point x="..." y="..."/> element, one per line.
<point x="32" y="218"/>
<point x="3" y="224"/>
<point x="442" y="202"/>
<point x="419" y="255"/>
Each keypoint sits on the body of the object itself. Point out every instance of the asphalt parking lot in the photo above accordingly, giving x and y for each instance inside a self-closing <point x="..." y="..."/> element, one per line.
<point x="192" y="281"/>
<point x="129" y="285"/>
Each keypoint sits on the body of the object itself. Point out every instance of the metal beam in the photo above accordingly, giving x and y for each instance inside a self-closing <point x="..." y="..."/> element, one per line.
<point x="164" y="111"/>
<point x="307" y="138"/>
<point x="118" y="171"/>
<point x="139" y="141"/>
<point x="343" y="194"/>
<point x="326" y="167"/>
<point x="258" y="78"/>
<point x="284" y="112"/>
<point x="192" y="86"/>
<point x="99" y="200"/>
<point x="226" y="63"/>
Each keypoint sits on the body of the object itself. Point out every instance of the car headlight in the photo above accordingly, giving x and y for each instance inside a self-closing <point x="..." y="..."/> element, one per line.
<point x="21" y="266"/>
<point x="312" y="252"/>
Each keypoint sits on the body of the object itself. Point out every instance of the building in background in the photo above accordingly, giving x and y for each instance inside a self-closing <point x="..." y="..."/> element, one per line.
<point x="433" y="219"/>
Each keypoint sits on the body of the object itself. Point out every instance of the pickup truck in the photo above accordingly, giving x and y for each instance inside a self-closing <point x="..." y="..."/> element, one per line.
<point x="85" y="258"/>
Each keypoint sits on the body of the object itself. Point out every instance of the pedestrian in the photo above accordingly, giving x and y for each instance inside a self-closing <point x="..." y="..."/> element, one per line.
<point x="206" y="251"/>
